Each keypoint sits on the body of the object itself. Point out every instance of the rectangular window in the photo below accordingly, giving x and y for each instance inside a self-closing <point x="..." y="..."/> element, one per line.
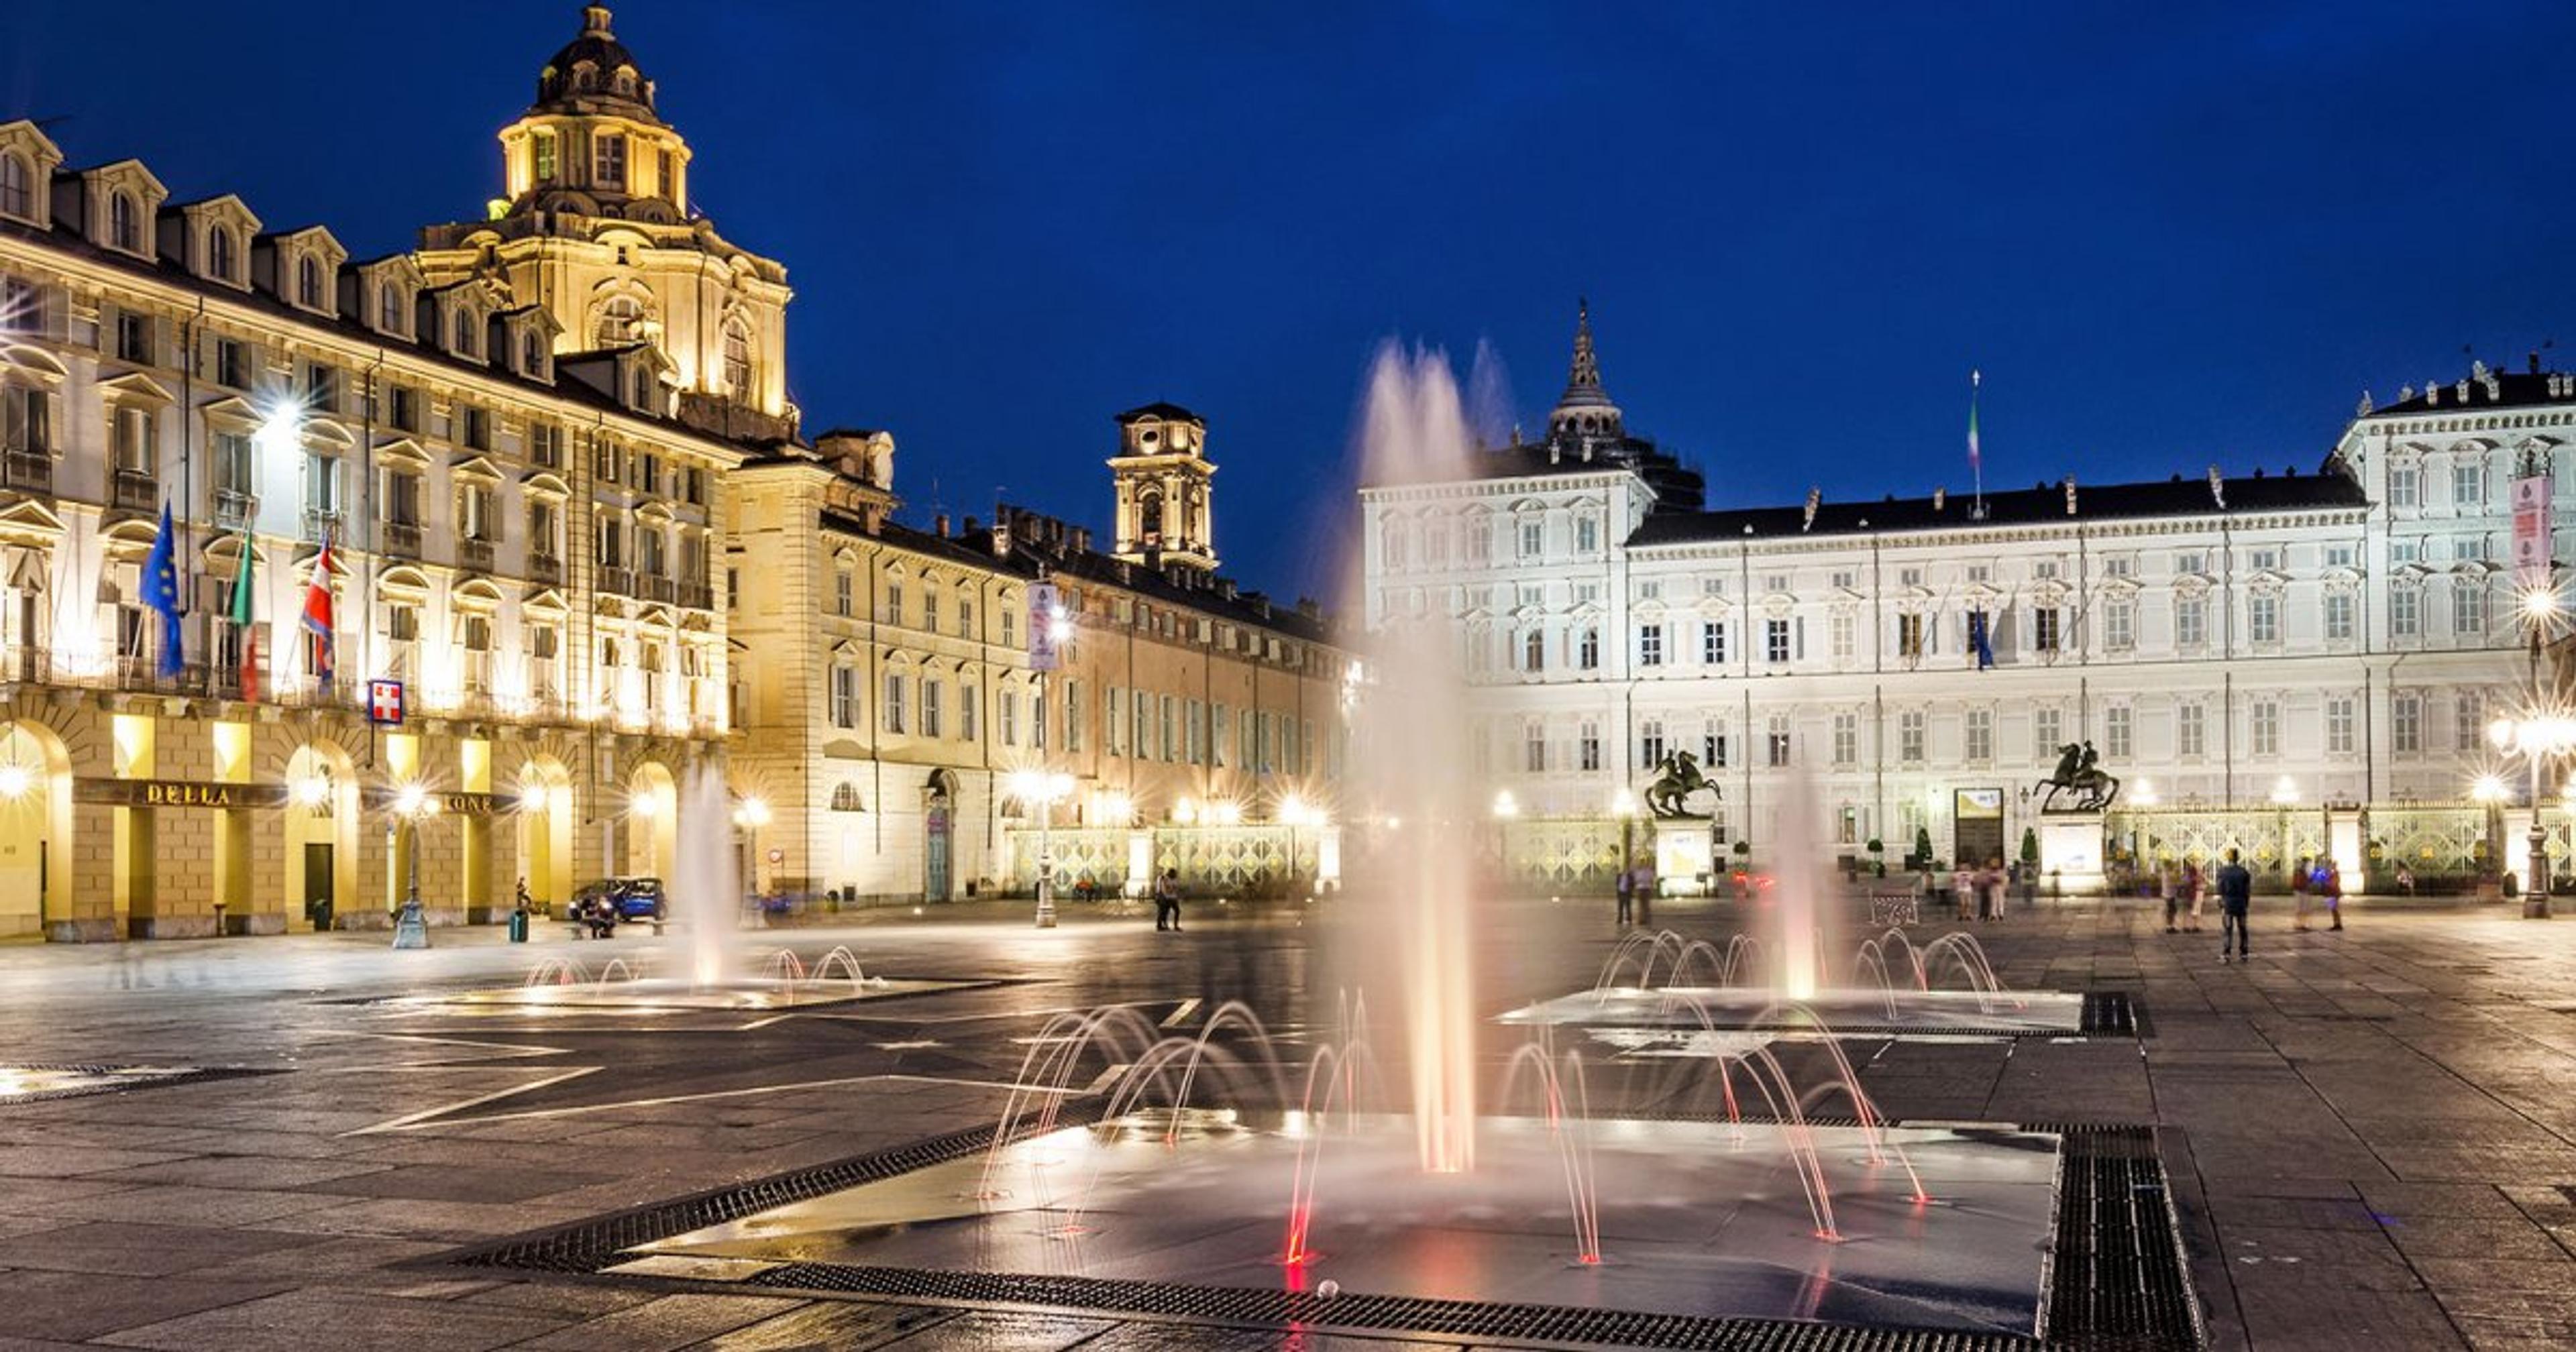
<point x="1778" y="741"/>
<point x="2191" y="731"/>
<point x="1712" y="642"/>
<point x="1842" y="630"/>
<point x="2339" y="556"/>
<point x="2264" y="721"/>
<point x="1587" y="535"/>
<point x="929" y="608"/>
<point x="2468" y="720"/>
<point x="477" y="422"/>
<point x="1587" y="650"/>
<point x="2120" y="626"/>
<point x="1909" y="635"/>
<point x="1775" y="640"/>
<point x="1534" y="749"/>
<point x="2044" y="628"/>
<point x="2046" y="731"/>
<point x="893" y="701"/>
<point x="2191" y="621"/>
<point x="2193" y="564"/>
<point x="608" y="161"/>
<point x="2339" y="726"/>
<point x="2406" y="723"/>
<point x="2115" y="732"/>
<point x="1650" y="745"/>
<point x="1846" y="740"/>
<point x="894" y="603"/>
<point x="1910" y="736"/>
<point x="1980" y="735"/>
<point x="1008" y="710"/>
<point x="134" y="337"/>
<point x="845" y="697"/>
<point x="2469" y="608"/>
<point x="2338" y="616"/>
<point x="2405" y="612"/>
<point x="2405" y="487"/>
<point x="1533" y="538"/>
<point x="2263" y="618"/>
<point x="933" y="715"/>
<point x="970" y="701"/>
<point x="232" y="364"/>
<point x="543" y="144"/>
<point x="233" y="477"/>
<point x="1650" y="645"/>
<point x="2468" y="486"/>
<point x="1712" y="748"/>
<point x="1587" y="746"/>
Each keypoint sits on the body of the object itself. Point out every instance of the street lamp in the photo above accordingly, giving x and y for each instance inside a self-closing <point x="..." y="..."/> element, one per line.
<point x="751" y="816"/>
<point x="2538" y="740"/>
<point x="411" y="804"/>
<point x="1623" y="805"/>
<point x="1043" y="788"/>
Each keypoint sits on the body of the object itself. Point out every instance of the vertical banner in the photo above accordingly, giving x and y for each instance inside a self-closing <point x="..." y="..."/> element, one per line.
<point x="2531" y="544"/>
<point x="1043" y="655"/>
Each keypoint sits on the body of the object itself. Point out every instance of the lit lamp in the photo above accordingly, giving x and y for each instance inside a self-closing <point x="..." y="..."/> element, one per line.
<point x="411" y="804"/>
<point x="1043" y="788"/>
<point x="751" y="816"/>
<point x="1505" y="805"/>
<point x="15" y="781"/>
<point x="2538" y="740"/>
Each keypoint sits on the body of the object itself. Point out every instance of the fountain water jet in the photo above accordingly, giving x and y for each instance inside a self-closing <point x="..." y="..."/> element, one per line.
<point x="706" y="896"/>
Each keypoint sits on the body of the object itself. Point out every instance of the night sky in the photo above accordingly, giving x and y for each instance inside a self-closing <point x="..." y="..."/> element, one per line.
<point x="2170" y="234"/>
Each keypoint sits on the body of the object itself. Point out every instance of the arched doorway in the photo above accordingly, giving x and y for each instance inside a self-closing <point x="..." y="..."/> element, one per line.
<point x="652" y="822"/>
<point x="320" y="834"/>
<point x="939" y="834"/>
<point x="546" y="812"/>
<point x="35" y="828"/>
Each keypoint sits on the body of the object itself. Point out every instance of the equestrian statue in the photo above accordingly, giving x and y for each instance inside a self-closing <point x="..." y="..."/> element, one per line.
<point x="2079" y="773"/>
<point x="1677" y="778"/>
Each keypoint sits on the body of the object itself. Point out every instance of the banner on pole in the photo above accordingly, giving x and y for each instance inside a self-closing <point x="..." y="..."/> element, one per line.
<point x="1043" y="605"/>
<point x="2531" y="544"/>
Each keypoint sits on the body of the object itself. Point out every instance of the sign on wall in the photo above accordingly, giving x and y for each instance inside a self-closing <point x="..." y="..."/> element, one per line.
<point x="2531" y="546"/>
<point x="1043" y="653"/>
<point x="385" y="703"/>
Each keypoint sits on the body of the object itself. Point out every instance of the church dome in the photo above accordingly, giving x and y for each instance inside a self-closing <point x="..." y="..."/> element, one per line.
<point x="594" y="73"/>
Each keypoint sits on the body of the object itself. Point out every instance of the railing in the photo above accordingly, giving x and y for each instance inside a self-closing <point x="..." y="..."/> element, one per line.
<point x="474" y="554"/>
<point x="32" y="471"/>
<point x="234" y="511"/>
<point x="545" y="568"/>
<point x="620" y="581"/>
<point x="659" y="588"/>
<point x="320" y="524"/>
<point x="27" y="666"/>
<point x="698" y="595"/>
<point x="402" y="537"/>
<point x="137" y="490"/>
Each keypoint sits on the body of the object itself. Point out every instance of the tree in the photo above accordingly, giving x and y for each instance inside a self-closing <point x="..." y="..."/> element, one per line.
<point x="2030" y="847"/>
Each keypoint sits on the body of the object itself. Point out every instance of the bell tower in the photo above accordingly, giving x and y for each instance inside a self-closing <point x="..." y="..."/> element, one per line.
<point x="1165" y="488"/>
<point x="1584" y="412"/>
<point x="598" y="228"/>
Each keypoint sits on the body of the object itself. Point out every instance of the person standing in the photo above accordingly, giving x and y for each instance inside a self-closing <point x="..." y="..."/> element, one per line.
<point x="1963" y="887"/>
<point x="2169" y="887"/>
<point x="2330" y="886"/>
<point x="1642" y="887"/>
<point x="1627" y="893"/>
<point x="2195" y="890"/>
<point x="2235" y="900"/>
<point x="1167" y="900"/>
<point x="2300" y="878"/>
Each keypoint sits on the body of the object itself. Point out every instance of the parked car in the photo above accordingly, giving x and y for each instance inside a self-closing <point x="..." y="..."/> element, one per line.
<point x="626" y="898"/>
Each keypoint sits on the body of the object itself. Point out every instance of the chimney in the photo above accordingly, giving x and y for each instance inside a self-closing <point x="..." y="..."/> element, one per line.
<point x="1225" y="587"/>
<point x="1310" y="608"/>
<point x="2535" y="361"/>
<point x="972" y="528"/>
<point x="939" y="523"/>
<point x="1940" y="496"/>
<point x="1082" y="539"/>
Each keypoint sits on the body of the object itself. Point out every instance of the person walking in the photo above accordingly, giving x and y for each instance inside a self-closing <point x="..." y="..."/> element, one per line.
<point x="1627" y="893"/>
<point x="1167" y="900"/>
<point x="2235" y="900"/>
<point x="1963" y="889"/>
<point x="2330" y="886"/>
<point x="2300" y="878"/>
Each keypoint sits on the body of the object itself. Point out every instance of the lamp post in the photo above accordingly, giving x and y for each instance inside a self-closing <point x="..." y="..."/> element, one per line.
<point x="1623" y="805"/>
<point x="411" y="804"/>
<point x="1043" y="788"/>
<point x="751" y="816"/>
<point x="2539" y="740"/>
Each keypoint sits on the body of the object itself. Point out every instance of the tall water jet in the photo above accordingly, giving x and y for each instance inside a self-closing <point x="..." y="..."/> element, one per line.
<point x="1414" y="429"/>
<point x="705" y="898"/>
<point x="1793" y="875"/>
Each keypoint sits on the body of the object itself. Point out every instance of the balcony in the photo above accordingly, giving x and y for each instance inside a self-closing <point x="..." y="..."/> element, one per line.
<point x="26" y="666"/>
<point x="234" y="511"/>
<point x="617" y="581"/>
<point x="402" y="537"/>
<point x="659" y="588"/>
<point x="27" y="471"/>
<point x="545" y="568"/>
<point x="137" y="490"/>
<point x="320" y="523"/>
<point x="698" y="595"/>
<point x="474" y="554"/>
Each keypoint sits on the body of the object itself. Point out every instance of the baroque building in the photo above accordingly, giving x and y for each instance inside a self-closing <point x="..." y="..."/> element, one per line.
<point x="2307" y="643"/>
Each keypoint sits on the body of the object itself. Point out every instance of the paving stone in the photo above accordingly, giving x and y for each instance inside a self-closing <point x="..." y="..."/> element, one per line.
<point x="662" y="1325"/>
<point x="138" y="1250"/>
<point x="1002" y="1333"/>
<point x="76" y="1305"/>
<point x="338" y="1321"/>
<point x="832" y="1327"/>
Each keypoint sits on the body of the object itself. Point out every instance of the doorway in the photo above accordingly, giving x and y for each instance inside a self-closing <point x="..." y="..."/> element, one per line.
<point x="320" y="898"/>
<point x="1977" y="821"/>
<point x="938" y="833"/>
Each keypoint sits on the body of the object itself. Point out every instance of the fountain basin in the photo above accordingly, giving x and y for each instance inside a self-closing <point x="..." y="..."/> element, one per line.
<point x="660" y="993"/>
<point x="1835" y="1009"/>
<point x="1696" y="1219"/>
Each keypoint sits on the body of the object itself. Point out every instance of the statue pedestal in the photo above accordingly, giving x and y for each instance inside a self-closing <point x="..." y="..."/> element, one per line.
<point x="1685" y="857"/>
<point x="2071" y="853"/>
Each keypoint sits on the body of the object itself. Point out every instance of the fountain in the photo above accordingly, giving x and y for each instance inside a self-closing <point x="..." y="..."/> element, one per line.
<point x="707" y="896"/>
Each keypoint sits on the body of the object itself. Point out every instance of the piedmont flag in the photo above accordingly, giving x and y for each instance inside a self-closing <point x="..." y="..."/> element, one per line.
<point x="243" y="620"/>
<point x="1980" y="639"/>
<point x="161" y="593"/>
<point x="317" y="613"/>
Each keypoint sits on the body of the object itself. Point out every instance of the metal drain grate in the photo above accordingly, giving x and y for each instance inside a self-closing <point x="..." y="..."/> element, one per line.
<point x="2117" y="1281"/>
<point x="123" y="1079"/>
<point x="2112" y="1014"/>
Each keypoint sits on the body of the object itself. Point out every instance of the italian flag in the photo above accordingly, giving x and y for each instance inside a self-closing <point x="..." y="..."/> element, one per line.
<point x="243" y="589"/>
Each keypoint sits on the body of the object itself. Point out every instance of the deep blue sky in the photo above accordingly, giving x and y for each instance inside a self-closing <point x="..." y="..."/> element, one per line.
<point x="2171" y="234"/>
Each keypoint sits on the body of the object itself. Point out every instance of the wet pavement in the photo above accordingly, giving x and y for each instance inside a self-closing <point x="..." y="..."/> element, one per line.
<point x="2372" y="1133"/>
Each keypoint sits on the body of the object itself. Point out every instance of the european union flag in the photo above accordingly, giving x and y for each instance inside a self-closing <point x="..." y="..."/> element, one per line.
<point x="1980" y="639"/>
<point x="161" y="592"/>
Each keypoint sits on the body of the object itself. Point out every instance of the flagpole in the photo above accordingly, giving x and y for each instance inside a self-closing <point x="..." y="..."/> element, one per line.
<point x="1976" y="462"/>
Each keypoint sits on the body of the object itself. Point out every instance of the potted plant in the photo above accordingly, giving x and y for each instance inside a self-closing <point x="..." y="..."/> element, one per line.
<point x="1922" y="847"/>
<point x="1877" y="861"/>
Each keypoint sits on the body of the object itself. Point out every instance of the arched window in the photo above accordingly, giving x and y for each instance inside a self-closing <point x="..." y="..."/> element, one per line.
<point x="1534" y="651"/>
<point x="621" y="321"/>
<point x="625" y="81"/>
<point x="464" y="331"/>
<point x="737" y="358"/>
<point x="124" y="223"/>
<point x="845" y="797"/>
<point x="308" y="282"/>
<point x="389" y="307"/>
<point x="1149" y="518"/>
<point x="17" y="187"/>
<point x="219" y="252"/>
<point x="548" y="159"/>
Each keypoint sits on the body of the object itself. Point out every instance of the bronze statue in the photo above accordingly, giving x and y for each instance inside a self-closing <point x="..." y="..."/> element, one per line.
<point x="2079" y="772"/>
<point x="1677" y="778"/>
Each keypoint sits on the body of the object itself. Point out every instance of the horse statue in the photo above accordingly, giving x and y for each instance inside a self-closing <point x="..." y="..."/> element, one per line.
<point x="1677" y="778"/>
<point x="2079" y="772"/>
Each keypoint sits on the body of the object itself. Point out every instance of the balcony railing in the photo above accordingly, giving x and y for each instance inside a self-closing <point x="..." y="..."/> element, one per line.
<point x="320" y="523"/>
<point x="29" y="471"/>
<point x="26" y="666"/>
<point x="698" y="595"/>
<point x="618" y="581"/>
<point x="137" y="490"/>
<point x="233" y="511"/>
<point x="545" y="568"/>
<point x="658" y="588"/>
<point x="402" y="537"/>
<point x="474" y="554"/>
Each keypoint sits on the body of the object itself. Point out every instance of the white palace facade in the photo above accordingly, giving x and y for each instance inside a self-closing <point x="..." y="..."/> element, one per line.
<point x="2318" y="638"/>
